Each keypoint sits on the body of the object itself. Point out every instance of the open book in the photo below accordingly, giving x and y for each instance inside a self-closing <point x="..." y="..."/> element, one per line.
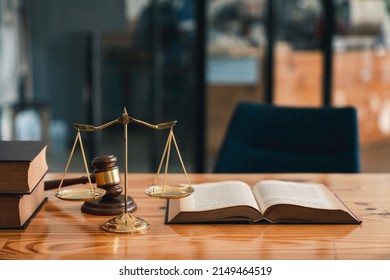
<point x="269" y="200"/>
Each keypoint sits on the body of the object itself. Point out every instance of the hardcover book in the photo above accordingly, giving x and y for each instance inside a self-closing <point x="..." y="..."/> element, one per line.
<point x="270" y="201"/>
<point x="16" y="210"/>
<point x="22" y="165"/>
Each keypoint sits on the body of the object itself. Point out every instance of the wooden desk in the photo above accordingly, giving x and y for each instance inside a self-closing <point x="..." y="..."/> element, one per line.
<point x="62" y="231"/>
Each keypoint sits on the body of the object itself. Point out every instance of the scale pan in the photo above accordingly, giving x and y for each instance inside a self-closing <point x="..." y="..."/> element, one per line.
<point x="80" y="194"/>
<point x="169" y="191"/>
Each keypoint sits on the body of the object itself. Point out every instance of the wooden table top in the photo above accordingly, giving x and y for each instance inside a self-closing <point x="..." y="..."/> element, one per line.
<point x="61" y="231"/>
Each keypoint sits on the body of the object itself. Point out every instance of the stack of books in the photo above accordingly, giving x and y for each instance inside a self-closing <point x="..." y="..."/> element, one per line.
<point x="23" y="166"/>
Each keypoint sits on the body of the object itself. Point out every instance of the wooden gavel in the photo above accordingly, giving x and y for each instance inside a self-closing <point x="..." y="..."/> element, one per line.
<point x="53" y="184"/>
<point x="106" y="176"/>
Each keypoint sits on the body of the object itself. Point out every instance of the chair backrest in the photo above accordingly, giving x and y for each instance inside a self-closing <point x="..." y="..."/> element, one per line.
<point x="274" y="139"/>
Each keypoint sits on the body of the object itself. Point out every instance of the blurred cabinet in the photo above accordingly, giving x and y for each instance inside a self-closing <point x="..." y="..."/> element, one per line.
<point x="361" y="79"/>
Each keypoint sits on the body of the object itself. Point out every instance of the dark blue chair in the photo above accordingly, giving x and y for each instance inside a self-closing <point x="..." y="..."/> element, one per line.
<point x="273" y="139"/>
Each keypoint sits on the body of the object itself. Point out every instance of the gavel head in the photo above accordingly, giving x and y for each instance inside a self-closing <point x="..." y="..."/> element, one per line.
<point x="106" y="172"/>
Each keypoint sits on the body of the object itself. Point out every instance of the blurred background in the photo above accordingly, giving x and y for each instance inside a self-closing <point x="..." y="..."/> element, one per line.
<point x="65" y="62"/>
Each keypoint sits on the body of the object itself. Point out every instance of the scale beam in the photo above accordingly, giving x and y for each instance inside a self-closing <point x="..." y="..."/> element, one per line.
<point x="123" y="120"/>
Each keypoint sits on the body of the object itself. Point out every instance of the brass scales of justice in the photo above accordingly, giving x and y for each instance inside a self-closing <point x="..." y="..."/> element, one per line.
<point x="125" y="222"/>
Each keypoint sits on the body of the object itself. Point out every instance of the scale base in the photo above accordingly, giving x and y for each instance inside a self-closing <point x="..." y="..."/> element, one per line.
<point x="108" y="206"/>
<point x="126" y="223"/>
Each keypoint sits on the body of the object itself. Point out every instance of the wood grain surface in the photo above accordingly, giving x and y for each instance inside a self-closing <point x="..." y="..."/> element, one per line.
<point x="61" y="231"/>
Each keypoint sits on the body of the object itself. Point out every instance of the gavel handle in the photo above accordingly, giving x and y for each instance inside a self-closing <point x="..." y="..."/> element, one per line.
<point x="53" y="184"/>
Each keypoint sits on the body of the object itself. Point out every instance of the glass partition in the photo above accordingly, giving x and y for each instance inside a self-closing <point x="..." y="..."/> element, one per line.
<point x="234" y="63"/>
<point x="86" y="60"/>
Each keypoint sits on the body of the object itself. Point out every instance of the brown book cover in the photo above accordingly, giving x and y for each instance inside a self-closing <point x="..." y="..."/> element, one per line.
<point x="16" y="210"/>
<point x="22" y="165"/>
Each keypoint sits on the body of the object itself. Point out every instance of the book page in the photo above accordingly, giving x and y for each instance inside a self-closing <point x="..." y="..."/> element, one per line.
<point x="271" y="192"/>
<point x="216" y="195"/>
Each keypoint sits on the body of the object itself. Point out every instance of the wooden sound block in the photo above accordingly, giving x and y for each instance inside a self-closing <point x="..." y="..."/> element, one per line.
<point x="107" y="207"/>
